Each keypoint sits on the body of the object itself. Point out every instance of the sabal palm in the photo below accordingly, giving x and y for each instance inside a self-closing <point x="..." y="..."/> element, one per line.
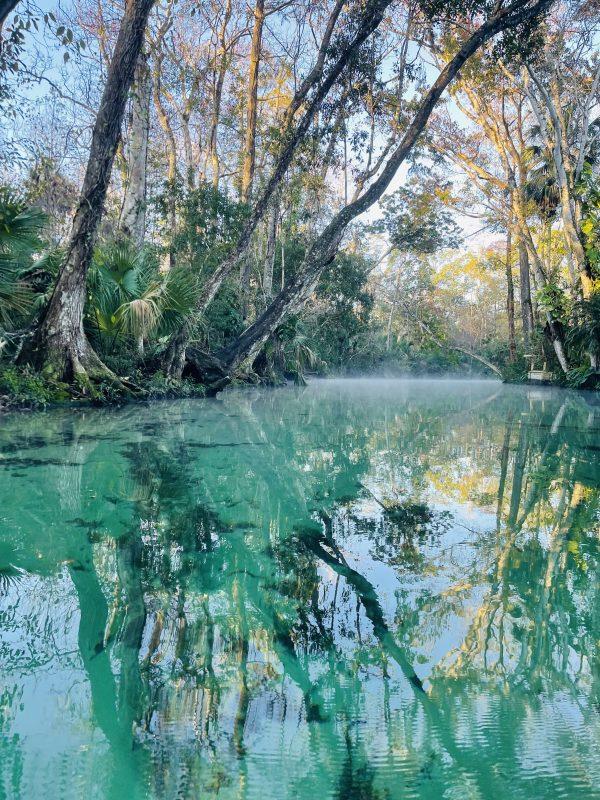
<point x="299" y="355"/>
<point x="541" y="186"/>
<point x="20" y="227"/>
<point x="130" y="297"/>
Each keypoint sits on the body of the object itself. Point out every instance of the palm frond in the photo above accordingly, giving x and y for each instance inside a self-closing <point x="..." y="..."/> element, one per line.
<point x="140" y="316"/>
<point x="20" y="224"/>
<point x="15" y="294"/>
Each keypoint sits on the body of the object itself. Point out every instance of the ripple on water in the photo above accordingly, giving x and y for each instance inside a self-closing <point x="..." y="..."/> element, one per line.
<point x="227" y="599"/>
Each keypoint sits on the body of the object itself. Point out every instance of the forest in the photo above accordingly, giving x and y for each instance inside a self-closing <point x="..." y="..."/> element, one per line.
<point x="196" y="193"/>
<point x="299" y="399"/>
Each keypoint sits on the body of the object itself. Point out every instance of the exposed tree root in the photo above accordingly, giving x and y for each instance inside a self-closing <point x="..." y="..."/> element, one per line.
<point x="90" y="372"/>
<point x="77" y="365"/>
<point x="206" y="369"/>
<point x="214" y="373"/>
<point x="173" y="362"/>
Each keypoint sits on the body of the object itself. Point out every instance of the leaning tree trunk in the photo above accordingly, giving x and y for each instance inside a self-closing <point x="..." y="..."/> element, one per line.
<point x="321" y="81"/>
<point x="133" y="214"/>
<point x="59" y="345"/>
<point x="242" y="353"/>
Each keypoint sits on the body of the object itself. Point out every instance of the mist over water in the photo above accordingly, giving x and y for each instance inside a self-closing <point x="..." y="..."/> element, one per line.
<point x="357" y="589"/>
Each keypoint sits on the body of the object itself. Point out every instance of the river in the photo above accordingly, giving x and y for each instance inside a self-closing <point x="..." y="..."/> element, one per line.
<point x="359" y="589"/>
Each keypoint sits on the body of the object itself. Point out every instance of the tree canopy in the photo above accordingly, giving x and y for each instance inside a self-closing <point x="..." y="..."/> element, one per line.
<point x="201" y="192"/>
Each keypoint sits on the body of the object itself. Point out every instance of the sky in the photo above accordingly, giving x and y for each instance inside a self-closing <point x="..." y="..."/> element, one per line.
<point x="54" y="70"/>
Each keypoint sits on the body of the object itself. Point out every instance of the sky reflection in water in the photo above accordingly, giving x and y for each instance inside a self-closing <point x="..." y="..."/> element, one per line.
<point x="382" y="589"/>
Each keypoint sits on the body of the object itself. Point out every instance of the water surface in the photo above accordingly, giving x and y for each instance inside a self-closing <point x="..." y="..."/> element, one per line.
<point x="352" y="590"/>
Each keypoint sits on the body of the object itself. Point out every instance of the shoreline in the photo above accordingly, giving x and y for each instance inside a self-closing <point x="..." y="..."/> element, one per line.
<point x="197" y="391"/>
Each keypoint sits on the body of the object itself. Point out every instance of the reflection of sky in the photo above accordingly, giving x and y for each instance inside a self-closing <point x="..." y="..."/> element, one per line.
<point x="263" y="442"/>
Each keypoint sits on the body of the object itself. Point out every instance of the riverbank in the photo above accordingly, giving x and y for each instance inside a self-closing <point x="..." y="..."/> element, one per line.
<point x="26" y="390"/>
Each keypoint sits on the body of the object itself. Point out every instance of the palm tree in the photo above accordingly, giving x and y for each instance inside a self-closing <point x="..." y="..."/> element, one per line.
<point x="584" y="335"/>
<point x="20" y="228"/>
<point x="129" y="297"/>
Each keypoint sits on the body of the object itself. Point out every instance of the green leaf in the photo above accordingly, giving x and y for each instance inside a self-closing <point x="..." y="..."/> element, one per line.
<point x="587" y="227"/>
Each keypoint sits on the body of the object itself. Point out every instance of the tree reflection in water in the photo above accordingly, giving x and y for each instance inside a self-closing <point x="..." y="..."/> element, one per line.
<point x="360" y="591"/>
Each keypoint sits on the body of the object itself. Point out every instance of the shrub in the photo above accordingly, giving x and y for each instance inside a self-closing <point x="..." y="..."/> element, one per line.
<point x="24" y="388"/>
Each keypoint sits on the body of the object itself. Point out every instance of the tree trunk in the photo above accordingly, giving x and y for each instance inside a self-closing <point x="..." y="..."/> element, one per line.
<point x="173" y="360"/>
<point x="164" y="121"/>
<point x="243" y="352"/>
<point x="394" y="303"/>
<point x="554" y="328"/>
<point x="585" y="124"/>
<point x="574" y="244"/>
<point x="272" y="221"/>
<point x="133" y="214"/>
<point x="510" y="296"/>
<point x="560" y="156"/>
<point x="165" y="124"/>
<point x="525" y="294"/>
<point x="245" y="275"/>
<point x="190" y="166"/>
<point x="213" y="151"/>
<point x="59" y="344"/>
<point x="252" y="102"/>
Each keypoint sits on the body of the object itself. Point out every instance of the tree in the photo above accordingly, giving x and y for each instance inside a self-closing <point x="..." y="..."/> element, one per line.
<point x="416" y="222"/>
<point x="416" y="218"/>
<point x="133" y="213"/>
<point x="312" y="90"/>
<point x="59" y="345"/>
<point x="519" y="16"/>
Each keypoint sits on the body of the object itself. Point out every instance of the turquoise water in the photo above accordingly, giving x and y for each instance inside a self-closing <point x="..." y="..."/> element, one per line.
<point x="383" y="589"/>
